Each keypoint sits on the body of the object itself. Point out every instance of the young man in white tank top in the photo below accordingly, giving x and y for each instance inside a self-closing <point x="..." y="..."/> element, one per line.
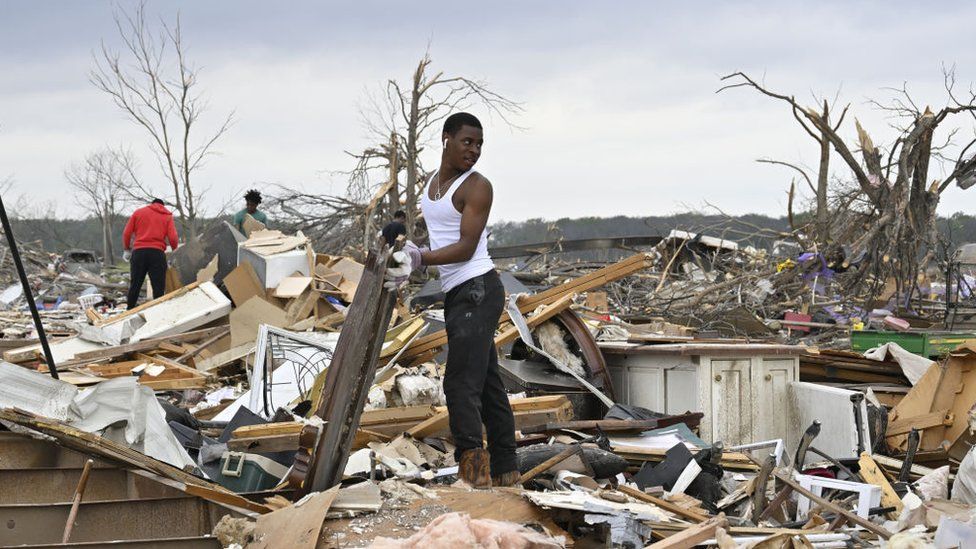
<point x="456" y="205"/>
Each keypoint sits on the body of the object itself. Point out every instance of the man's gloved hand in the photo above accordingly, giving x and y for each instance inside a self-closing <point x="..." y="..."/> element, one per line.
<point x="126" y="256"/>
<point x="407" y="260"/>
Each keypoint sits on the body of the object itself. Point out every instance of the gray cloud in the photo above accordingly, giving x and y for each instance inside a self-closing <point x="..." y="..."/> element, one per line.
<point x="621" y="115"/>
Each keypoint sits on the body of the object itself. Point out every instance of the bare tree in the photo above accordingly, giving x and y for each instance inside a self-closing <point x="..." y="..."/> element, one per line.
<point x="154" y="84"/>
<point x="408" y="117"/>
<point x="402" y="119"/>
<point x="886" y="211"/>
<point x="103" y="182"/>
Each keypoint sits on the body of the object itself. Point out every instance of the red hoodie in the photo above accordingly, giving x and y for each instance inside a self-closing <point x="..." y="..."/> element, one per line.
<point x="152" y="226"/>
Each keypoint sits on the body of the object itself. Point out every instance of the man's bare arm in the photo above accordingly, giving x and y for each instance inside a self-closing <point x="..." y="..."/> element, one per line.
<point x="474" y="218"/>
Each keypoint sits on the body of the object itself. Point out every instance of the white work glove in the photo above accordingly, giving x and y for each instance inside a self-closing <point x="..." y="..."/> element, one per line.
<point x="126" y="256"/>
<point x="407" y="260"/>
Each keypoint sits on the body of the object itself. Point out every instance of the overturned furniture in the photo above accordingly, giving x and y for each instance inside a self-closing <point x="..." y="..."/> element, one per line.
<point x="939" y="406"/>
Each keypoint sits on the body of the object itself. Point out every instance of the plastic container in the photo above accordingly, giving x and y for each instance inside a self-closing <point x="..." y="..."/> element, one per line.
<point x="928" y="344"/>
<point x="242" y="472"/>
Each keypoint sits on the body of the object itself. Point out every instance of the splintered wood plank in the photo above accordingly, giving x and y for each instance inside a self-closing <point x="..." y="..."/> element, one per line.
<point x="430" y="426"/>
<point x="691" y="537"/>
<point x="872" y="474"/>
<point x="343" y="393"/>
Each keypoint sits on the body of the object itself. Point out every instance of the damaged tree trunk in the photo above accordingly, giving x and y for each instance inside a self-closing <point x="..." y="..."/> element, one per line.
<point x="887" y="223"/>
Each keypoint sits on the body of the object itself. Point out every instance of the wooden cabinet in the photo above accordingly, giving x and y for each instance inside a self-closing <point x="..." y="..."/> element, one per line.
<point x="741" y="389"/>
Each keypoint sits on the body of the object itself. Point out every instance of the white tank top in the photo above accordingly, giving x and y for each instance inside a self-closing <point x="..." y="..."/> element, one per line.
<point x="444" y="227"/>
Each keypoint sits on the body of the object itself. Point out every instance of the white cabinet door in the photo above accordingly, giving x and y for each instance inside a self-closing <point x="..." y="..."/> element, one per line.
<point x="731" y="411"/>
<point x="645" y="387"/>
<point x="681" y="390"/>
<point x="771" y="379"/>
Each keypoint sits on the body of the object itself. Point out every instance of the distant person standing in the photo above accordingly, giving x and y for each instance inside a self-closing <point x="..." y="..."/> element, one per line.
<point x="395" y="228"/>
<point x="144" y="241"/>
<point x="252" y="199"/>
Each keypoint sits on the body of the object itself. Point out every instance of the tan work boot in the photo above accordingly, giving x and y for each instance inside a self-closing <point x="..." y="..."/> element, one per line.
<point x="474" y="468"/>
<point x="510" y="478"/>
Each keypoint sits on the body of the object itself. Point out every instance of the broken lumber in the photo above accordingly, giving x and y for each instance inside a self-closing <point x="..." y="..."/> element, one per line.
<point x="343" y="393"/>
<point x="693" y="516"/>
<point x="90" y="443"/>
<point x="617" y="425"/>
<point x="141" y="346"/>
<point x="872" y="474"/>
<point x="570" y="450"/>
<point x="691" y="537"/>
<point x="269" y="437"/>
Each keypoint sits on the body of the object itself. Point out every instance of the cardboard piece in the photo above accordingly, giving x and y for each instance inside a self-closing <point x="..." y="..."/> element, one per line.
<point x="296" y="526"/>
<point x="243" y="283"/>
<point x="244" y="320"/>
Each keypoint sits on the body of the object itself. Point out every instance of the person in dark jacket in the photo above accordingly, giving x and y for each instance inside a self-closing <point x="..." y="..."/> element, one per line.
<point x="395" y="228"/>
<point x="144" y="240"/>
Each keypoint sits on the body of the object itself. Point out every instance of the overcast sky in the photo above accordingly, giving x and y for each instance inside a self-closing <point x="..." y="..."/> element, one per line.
<point x="620" y="110"/>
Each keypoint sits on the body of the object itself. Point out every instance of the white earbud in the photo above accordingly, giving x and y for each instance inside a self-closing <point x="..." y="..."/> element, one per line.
<point x="445" y="143"/>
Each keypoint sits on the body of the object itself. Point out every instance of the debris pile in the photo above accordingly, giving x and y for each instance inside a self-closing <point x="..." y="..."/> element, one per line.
<point x="700" y="393"/>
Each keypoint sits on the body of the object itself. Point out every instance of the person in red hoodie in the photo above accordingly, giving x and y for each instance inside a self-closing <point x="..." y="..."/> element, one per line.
<point x="144" y="241"/>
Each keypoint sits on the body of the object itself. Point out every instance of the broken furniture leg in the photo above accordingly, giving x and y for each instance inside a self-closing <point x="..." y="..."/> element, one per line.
<point x="805" y="441"/>
<point x="554" y="460"/>
<point x="904" y="475"/>
<point x="759" y="488"/>
<point x="79" y="491"/>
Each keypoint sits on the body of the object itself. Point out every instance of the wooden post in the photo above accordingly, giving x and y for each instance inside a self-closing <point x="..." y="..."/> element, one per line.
<point x="79" y="491"/>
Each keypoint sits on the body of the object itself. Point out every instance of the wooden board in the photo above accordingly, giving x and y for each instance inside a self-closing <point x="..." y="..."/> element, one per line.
<point x="292" y="286"/>
<point x="172" y="280"/>
<point x="663" y="504"/>
<point x="950" y="385"/>
<point x="691" y="537"/>
<point x="904" y="425"/>
<point x="149" y="304"/>
<point x="225" y="357"/>
<point x="872" y="474"/>
<point x="354" y="359"/>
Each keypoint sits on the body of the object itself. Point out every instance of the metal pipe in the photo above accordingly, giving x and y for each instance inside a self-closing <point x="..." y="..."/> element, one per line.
<point x="51" y="366"/>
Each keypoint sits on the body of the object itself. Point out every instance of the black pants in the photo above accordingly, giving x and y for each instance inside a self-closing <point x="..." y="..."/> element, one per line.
<point x="146" y="261"/>
<point x="472" y="384"/>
